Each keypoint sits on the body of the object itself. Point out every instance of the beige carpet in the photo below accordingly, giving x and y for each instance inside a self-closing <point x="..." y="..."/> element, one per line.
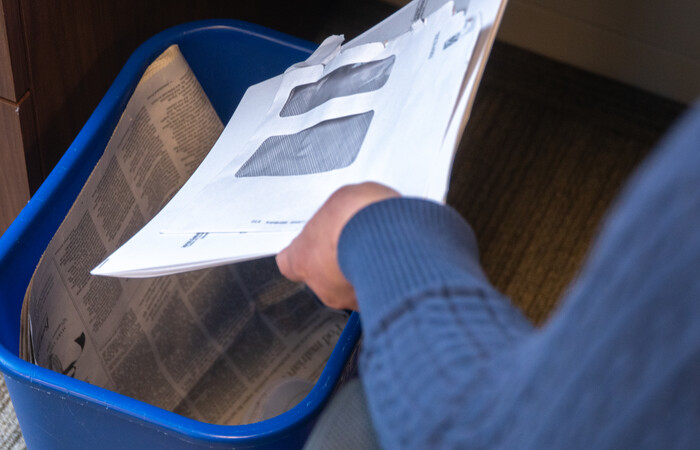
<point x="545" y="152"/>
<point x="10" y="435"/>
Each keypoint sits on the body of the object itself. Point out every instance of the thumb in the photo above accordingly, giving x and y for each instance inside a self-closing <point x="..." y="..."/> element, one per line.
<point x="286" y="265"/>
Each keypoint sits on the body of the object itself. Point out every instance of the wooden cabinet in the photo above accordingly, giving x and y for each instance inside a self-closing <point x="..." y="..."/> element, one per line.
<point x="17" y="131"/>
<point x="58" y="58"/>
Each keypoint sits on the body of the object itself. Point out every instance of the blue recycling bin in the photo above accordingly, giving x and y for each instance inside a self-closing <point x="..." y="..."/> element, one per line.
<point x="56" y="411"/>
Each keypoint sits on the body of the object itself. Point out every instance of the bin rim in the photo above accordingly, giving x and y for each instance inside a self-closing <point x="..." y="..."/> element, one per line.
<point x="114" y="102"/>
<point x="255" y="433"/>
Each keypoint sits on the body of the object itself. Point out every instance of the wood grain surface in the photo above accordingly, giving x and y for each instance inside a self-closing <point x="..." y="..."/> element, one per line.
<point x="14" y="78"/>
<point x="77" y="47"/>
<point x="15" y="120"/>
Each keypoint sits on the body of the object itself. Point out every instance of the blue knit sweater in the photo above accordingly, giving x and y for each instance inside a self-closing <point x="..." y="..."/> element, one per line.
<point x="448" y="362"/>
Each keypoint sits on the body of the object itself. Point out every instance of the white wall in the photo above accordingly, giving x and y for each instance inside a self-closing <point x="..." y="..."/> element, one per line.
<point x="651" y="44"/>
<point x="654" y="45"/>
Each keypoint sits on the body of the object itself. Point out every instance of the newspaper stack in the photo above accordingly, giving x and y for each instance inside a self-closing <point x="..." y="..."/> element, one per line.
<point x="388" y="106"/>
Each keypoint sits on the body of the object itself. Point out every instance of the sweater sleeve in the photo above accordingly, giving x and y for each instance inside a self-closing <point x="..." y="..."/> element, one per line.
<point x="450" y="363"/>
<point x="436" y="333"/>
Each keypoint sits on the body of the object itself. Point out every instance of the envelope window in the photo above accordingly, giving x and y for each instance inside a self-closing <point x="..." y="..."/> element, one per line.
<point x="329" y="145"/>
<point x="344" y="81"/>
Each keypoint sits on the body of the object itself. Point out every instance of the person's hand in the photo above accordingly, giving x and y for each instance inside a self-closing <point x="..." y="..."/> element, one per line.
<point x="312" y="257"/>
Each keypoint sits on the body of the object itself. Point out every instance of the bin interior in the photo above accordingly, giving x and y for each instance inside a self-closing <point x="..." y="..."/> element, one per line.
<point x="227" y="56"/>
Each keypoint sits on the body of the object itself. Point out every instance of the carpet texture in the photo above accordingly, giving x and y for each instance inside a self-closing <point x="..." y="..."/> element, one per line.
<point x="10" y="434"/>
<point x="546" y="150"/>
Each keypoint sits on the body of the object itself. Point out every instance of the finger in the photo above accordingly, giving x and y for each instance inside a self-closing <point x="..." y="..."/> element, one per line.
<point x="337" y="297"/>
<point x="285" y="264"/>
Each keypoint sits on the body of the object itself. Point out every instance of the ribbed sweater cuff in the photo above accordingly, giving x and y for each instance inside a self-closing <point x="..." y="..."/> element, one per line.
<point x="397" y="249"/>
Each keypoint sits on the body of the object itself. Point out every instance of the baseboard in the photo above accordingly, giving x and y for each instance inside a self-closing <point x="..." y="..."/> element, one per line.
<point x="612" y="54"/>
<point x="580" y="34"/>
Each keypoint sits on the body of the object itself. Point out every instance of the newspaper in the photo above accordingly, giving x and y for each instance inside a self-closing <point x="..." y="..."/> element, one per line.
<point x="231" y="345"/>
<point x="388" y="106"/>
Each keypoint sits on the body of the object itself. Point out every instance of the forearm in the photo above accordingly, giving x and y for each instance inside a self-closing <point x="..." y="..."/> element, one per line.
<point x="435" y="329"/>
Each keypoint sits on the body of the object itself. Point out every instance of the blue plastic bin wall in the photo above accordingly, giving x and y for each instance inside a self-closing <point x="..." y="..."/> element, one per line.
<point x="56" y="411"/>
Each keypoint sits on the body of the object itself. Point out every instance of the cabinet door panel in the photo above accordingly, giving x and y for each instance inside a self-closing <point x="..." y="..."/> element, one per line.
<point x="14" y="186"/>
<point x="14" y="81"/>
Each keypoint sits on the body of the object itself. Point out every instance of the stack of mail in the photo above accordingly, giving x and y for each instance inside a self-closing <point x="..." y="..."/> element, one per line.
<point x="389" y="106"/>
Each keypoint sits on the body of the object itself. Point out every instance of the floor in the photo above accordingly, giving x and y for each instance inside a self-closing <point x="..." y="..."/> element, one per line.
<point x="546" y="150"/>
<point x="10" y="435"/>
